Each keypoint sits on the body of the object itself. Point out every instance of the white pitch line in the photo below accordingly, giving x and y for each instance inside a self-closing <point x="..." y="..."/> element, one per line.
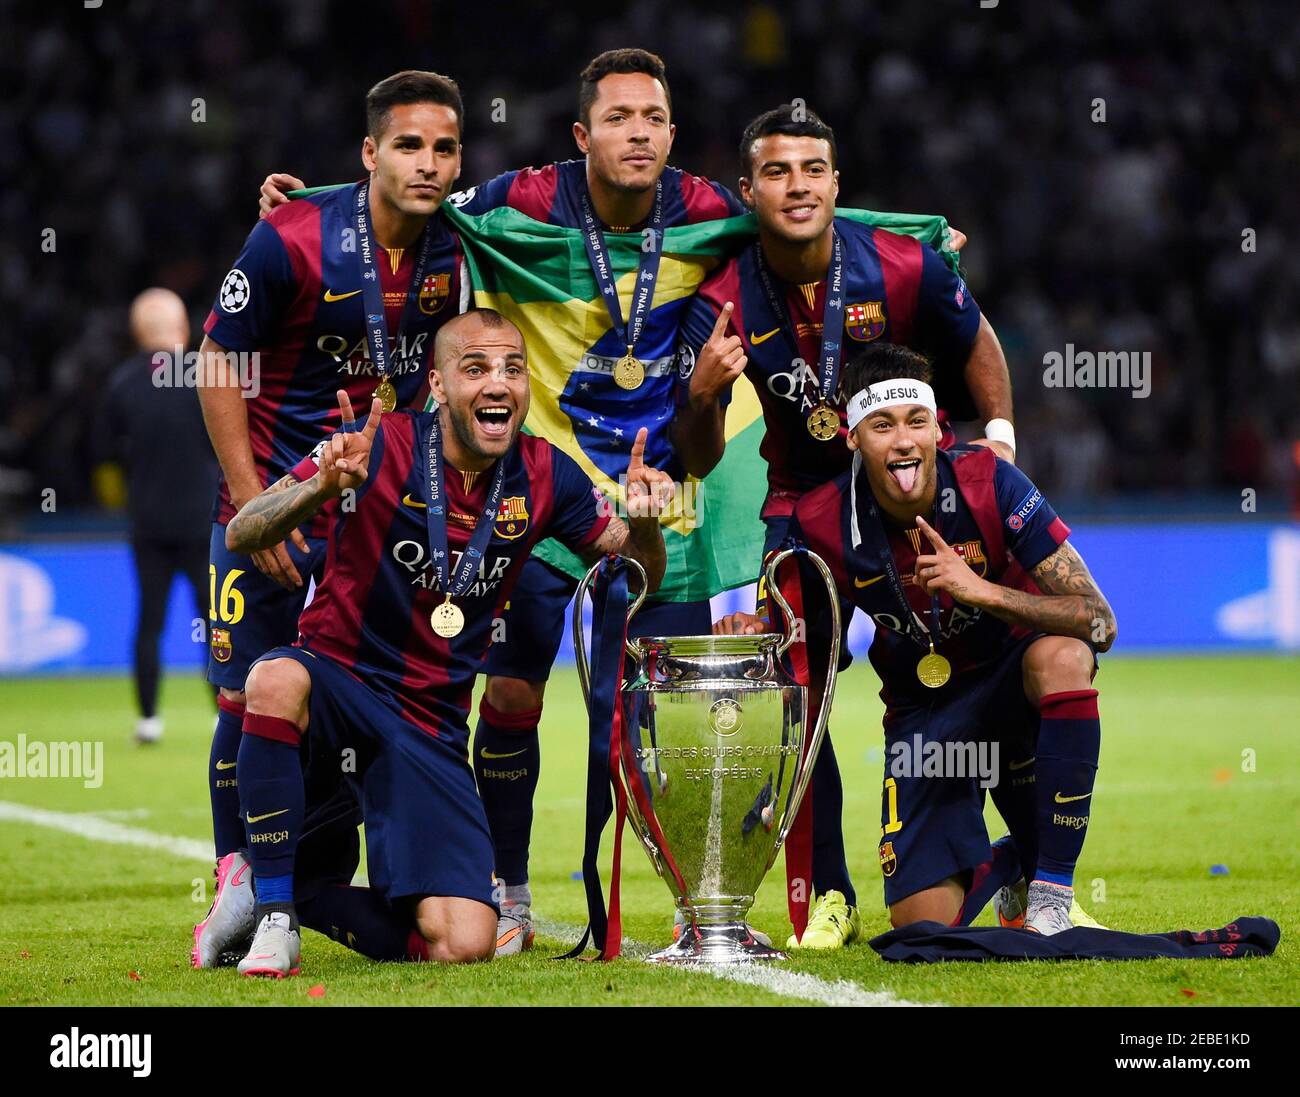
<point x="769" y="977"/>
<point x="785" y="984"/>
<point x="105" y="830"/>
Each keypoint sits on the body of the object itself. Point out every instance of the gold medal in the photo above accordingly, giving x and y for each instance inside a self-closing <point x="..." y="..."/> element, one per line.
<point x="628" y="372"/>
<point x="387" y="395"/>
<point x="824" y="423"/>
<point x="447" y="620"/>
<point x="933" y="670"/>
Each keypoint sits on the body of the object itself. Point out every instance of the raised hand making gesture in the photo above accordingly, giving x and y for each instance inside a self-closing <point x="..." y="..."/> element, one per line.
<point x="649" y="491"/>
<point x="344" y="459"/>
<point x="342" y="463"/>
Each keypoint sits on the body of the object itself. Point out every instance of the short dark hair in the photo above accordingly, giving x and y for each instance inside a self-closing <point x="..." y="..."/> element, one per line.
<point x="618" y="61"/>
<point x="411" y="86"/>
<point x="882" y="362"/>
<point x="787" y="119"/>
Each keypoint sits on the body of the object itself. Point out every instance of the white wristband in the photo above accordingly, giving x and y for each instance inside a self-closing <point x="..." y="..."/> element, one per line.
<point x="1001" y="430"/>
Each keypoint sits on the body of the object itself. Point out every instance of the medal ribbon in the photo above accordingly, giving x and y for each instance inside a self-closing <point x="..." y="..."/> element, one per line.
<point x="606" y="732"/>
<point x="436" y="518"/>
<point x="372" y="294"/>
<point x="832" y="316"/>
<point x="647" y="271"/>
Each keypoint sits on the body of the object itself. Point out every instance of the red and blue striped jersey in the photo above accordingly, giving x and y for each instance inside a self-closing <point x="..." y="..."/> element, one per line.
<point x="371" y="609"/>
<point x="896" y="289"/>
<point x="554" y="194"/>
<point x="969" y="638"/>
<point x="294" y="297"/>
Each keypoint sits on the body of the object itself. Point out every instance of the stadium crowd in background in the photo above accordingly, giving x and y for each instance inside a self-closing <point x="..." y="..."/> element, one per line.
<point x="1164" y="228"/>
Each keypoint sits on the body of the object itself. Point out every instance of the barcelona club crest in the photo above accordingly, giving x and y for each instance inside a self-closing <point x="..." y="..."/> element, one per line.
<point x="434" y="292"/>
<point x="973" y="553"/>
<point x="512" y="518"/>
<point x="221" y="648"/>
<point x="888" y="859"/>
<point x="866" y="321"/>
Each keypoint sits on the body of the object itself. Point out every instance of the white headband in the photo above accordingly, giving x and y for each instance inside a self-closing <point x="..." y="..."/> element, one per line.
<point x="890" y="394"/>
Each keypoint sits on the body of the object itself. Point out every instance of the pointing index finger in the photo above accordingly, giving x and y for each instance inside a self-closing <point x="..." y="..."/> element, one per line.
<point x="638" y="450"/>
<point x="724" y="318"/>
<point x="372" y="424"/>
<point x="937" y="541"/>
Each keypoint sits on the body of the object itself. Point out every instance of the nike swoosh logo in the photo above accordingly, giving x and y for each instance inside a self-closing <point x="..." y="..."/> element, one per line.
<point x="860" y="583"/>
<point x="1021" y="765"/>
<point x="754" y="340"/>
<point x="226" y="765"/>
<point x="489" y="754"/>
<point x="407" y="501"/>
<point x="330" y="295"/>
<point x="235" y="880"/>
<point x="1070" y="799"/>
<point x="268" y="815"/>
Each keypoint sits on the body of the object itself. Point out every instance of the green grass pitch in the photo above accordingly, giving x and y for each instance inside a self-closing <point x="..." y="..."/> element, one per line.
<point x="90" y="921"/>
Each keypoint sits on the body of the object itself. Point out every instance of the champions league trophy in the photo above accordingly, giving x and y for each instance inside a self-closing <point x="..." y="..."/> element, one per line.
<point x="720" y="758"/>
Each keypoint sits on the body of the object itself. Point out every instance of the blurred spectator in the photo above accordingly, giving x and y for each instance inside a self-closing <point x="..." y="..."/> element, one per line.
<point x="155" y="432"/>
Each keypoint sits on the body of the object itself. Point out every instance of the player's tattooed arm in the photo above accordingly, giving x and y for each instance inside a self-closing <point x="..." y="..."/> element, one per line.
<point x="342" y="464"/>
<point x="642" y="540"/>
<point x="1071" y="597"/>
<point x="1071" y="604"/>
<point x="267" y="519"/>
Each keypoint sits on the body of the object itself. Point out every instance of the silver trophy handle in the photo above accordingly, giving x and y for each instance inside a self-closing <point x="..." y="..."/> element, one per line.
<point x="823" y="713"/>
<point x="579" y="647"/>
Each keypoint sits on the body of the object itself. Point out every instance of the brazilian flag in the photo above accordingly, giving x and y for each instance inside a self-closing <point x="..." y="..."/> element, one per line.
<point x="539" y="276"/>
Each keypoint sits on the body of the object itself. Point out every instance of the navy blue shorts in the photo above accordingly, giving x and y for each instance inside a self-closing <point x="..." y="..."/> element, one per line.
<point x="538" y="614"/>
<point x="426" y="833"/>
<point x="932" y="827"/>
<point x="253" y="613"/>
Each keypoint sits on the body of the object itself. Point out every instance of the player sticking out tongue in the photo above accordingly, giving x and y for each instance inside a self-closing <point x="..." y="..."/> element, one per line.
<point x="902" y="435"/>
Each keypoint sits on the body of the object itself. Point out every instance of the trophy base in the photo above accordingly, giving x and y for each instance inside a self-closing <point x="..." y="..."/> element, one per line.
<point x="724" y="943"/>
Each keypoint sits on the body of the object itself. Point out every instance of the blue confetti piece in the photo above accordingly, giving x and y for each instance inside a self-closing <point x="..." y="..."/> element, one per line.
<point x="1218" y="870"/>
<point x="578" y="875"/>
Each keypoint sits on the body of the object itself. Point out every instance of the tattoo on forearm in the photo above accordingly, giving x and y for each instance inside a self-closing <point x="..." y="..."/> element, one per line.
<point x="1070" y="605"/>
<point x="618" y="538"/>
<point x="266" y="519"/>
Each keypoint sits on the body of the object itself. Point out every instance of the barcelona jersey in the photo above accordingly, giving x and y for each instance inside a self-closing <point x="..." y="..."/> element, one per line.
<point x="294" y="297"/>
<point x="836" y="523"/>
<point x="371" y="610"/>
<point x="896" y="290"/>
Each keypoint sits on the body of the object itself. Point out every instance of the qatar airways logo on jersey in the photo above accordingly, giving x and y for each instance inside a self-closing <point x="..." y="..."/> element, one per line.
<point x="407" y="354"/>
<point x="414" y="557"/>
<point x="799" y="386"/>
<point x="959" y="619"/>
